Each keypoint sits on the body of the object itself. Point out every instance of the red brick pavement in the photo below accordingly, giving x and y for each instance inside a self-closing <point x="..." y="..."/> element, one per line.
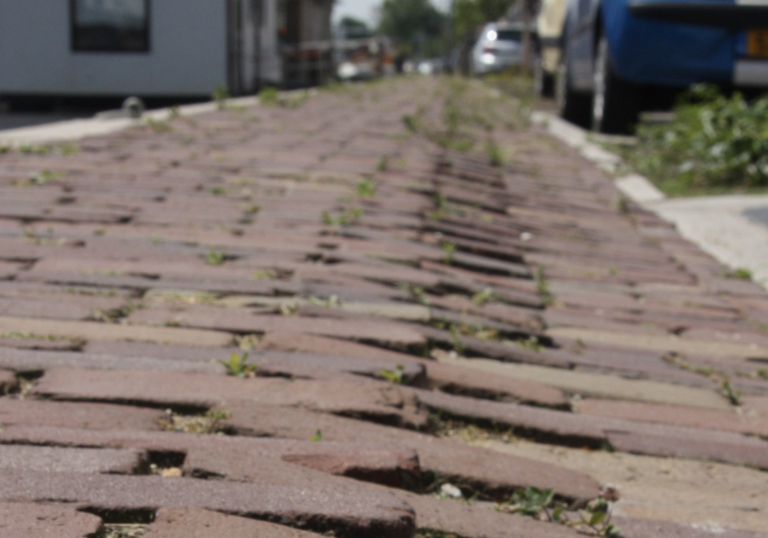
<point x="414" y="313"/>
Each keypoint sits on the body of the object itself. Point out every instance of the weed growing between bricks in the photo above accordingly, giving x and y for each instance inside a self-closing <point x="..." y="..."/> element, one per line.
<point x="208" y="423"/>
<point x="25" y="382"/>
<point x="471" y="430"/>
<point x="592" y="518"/>
<point x="123" y="523"/>
<point x="727" y="390"/>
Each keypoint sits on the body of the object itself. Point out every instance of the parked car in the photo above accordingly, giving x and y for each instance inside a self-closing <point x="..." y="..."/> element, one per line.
<point x="618" y="53"/>
<point x="498" y="47"/>
<point x="546" y="47"/>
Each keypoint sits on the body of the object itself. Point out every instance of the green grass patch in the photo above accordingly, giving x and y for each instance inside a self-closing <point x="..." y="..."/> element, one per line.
<point x="715" y="144"/>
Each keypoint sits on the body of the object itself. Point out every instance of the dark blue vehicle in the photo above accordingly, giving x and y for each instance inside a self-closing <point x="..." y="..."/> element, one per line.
<point x="616" y="54"/>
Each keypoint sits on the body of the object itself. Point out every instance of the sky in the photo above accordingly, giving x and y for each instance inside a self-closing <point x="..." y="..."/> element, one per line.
<point x="364" y="9"/>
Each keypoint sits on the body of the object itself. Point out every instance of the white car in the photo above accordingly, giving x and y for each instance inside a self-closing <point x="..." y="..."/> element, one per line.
<point x="498" y="47"/>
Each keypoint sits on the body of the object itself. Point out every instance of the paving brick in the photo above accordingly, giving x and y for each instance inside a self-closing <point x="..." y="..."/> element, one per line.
<point x="309" y="343"/>
<point x="500" y="351"/>
<point x="7" y="381"/>
<point x="387" y="333"/>
<point x="81" y="460"/>
<point x="354" y="396"/>
<point x="199" y="523"/>
<point x="599" y="385"/>
<point x="734" y="421"/>
<point x="460" y="464"/>
<point x="663" y="344"/>
<point x="248" y="459"/>
<point x="25" y="520"/>
<point x="623" y="435"/>
<point x="26" y="360"/>
<point x="459" y="380"/>
<point x="460" y="519"/>
<point x="77" y="415"/>
<point x="439" y="375"/>
<point x="352" y="513"/>
<point x="107" y="331"/>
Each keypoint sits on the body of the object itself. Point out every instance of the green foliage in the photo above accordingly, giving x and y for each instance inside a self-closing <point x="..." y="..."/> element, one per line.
<point x="68" y="149"/>
<point x="42" y="178"/>
<point x="253" y="209"/>
<point x="215" y="257"/>
<point x="383" y="163"/>
<point x="350" y="216"/>
<point x="741" y="273"/>
<point x="449" y="249"/>
<point x="495" y="155"/>
<point x="411" y="123"/>
<point x="715" y="143"/>
<point x="593" y="519"/>
<point x="456" y="341"/>
<point x="264" y="275"/>
<point x="218" y="191"/>
<point x="332" y="301"/>
<point x="221" y="96"/>
<point x="353" y="28"/>
<point x="29" y="149"/>
<point x="482" y="297"/>
<point x="452" y="117"/>
<point x="366" y="188"/>
<point x="543" y="287"/>
<point x="415" y="26"/>
<point x="472" y="13"/>
<point x="238" y="366"/>
<point x="269" y="96"/>
<point x="531" y="343"/>
<point x="728" y="390"/>
<point x="394" y="376"/>
<point x="317" y="437"/>
<point x="532" y="501"/>
<point x="159" y="126"/>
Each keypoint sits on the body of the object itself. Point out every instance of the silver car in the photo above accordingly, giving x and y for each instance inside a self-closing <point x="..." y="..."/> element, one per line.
<point x="498" y="47"/>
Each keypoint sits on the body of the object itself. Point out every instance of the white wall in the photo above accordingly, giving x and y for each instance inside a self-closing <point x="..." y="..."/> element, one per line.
<point x="188" y="53"/>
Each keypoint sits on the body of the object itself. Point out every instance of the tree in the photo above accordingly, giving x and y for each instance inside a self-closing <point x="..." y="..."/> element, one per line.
<point x="416" y="26"/>
<point x="469" y="14"/>
<point x="352" y="28"/>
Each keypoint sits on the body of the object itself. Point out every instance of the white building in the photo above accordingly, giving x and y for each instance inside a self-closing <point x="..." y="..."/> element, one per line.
<point x="149" y="48"/>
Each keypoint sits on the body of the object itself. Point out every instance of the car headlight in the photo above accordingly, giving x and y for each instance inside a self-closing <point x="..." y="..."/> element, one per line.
<point x="347" y="70"/>
<point x="488" y="58"/>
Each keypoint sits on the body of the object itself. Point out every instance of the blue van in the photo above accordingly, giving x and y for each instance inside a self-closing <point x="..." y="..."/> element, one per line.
<point x="615" y="53"/>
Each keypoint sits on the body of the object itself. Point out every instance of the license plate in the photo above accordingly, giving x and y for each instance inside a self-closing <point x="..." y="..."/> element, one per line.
<point x="757" y="43"/>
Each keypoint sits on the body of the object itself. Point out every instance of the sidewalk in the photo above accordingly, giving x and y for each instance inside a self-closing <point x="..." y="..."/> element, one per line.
<point x="431" y="333"/>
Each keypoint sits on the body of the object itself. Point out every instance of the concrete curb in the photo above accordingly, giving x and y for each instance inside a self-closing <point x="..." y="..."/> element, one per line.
<point x="72" y="130"/>
<point x="634" y="186"/>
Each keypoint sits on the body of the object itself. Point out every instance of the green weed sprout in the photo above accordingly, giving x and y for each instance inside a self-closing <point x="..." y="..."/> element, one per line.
<point x="394" y="376"/>
<point x="238" y="366"/>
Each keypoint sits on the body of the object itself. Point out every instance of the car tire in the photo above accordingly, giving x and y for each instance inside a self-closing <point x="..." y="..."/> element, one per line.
<point x="572" y="106"/>
<point x="543" y="82"/>
<point x="616" y="102"/>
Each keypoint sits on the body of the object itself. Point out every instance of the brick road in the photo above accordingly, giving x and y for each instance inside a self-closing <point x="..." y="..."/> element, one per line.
<point x="425" y="321"/>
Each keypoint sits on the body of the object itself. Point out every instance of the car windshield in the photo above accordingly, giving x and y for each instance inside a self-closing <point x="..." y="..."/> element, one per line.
<point x="509" y="35"/>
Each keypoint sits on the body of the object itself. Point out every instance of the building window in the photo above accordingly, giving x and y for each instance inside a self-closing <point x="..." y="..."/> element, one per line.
<point x="110" y="25"/>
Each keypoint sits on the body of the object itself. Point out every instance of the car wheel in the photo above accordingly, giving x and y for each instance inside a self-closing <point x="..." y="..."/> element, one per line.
<point x="571" y="105"/>
<point x="616" y="102"/>
<point x="543" y="82"/>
